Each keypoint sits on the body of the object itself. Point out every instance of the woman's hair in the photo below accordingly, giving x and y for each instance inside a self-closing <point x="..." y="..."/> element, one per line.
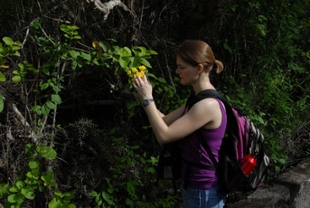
<point x="197" y="52"/>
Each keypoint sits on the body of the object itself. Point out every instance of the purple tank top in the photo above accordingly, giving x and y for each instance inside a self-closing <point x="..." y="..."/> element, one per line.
<point x="193" y="151"/>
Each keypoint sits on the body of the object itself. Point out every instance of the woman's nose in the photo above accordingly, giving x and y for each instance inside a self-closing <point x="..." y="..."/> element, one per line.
<point x="177" y="71"/>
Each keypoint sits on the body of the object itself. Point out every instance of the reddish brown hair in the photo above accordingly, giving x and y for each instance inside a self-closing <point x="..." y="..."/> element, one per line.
<point x="197" y="52"/>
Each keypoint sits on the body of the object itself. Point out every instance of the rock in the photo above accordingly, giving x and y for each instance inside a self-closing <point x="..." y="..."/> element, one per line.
<point x="290" y="190"/>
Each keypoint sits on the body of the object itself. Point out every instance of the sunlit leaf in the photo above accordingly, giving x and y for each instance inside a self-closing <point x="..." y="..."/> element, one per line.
<point x="74" y="54"/>
<point x="33" y="164"/>
<point x="16" y="78"/>
<point x="46" y="152"/>
<point x="13" y="198"/>
<point x="145" y="62"/>
<point x="7" y="40"/>
<point x="125" y="52"/>
<point x="28" y="194"/>
<point x="55" y="203"/>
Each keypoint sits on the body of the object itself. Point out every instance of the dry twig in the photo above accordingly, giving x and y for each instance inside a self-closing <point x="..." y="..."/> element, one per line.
<point x="108" y="6"/>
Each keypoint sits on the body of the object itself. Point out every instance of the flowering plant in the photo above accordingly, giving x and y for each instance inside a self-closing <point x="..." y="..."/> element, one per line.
<point x="134" y="72"/>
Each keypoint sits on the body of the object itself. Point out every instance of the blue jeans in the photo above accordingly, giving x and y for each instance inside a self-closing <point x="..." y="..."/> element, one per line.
<point x="194" y="198"/>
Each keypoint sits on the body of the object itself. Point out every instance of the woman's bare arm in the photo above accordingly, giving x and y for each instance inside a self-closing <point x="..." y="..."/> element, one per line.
<point x="172" y="116"/>
<point x="202" y="113"/>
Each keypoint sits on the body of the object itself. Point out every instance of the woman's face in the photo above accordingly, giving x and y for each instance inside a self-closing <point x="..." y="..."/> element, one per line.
<point x="187" y="73"/>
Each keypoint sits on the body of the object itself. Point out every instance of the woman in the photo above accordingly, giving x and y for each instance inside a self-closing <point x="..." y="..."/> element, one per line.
<point x="195" y="61"/>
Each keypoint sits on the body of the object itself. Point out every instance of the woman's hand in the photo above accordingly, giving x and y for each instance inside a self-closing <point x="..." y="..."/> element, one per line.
<point x="143" y="87"/>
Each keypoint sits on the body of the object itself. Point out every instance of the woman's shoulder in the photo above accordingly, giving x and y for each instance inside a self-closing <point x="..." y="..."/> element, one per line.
<point x="208" y="106"/>
<point x="208" y="103"/>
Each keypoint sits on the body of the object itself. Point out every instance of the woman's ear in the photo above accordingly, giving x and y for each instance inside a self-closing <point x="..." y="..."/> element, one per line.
<point x="200" y="68"/>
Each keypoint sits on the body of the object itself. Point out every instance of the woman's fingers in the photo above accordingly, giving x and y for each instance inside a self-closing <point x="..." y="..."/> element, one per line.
<point x="139" y="81"/>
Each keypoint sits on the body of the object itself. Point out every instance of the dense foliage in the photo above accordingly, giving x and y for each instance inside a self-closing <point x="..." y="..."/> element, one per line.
<point x="73" y="133"/>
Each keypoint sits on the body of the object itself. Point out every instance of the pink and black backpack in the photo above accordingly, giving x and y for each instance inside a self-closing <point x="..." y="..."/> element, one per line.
<point x="234" y="171"/>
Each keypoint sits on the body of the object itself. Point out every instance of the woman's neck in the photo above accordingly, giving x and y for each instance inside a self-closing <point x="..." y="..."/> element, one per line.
<point x="202" y="86"/>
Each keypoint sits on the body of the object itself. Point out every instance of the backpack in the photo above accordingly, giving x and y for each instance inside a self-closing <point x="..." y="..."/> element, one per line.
<point x="242" y="147"/>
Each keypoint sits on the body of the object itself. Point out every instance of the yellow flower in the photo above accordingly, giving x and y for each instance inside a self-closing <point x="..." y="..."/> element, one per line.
<point x="142" y="68"/>
<point x="134" y="70"/>
<point x="133" y="73"/>
<point x="141" y="74"/>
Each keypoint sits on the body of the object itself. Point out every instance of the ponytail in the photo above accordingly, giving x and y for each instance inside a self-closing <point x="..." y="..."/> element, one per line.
<point x="218" y="66"/>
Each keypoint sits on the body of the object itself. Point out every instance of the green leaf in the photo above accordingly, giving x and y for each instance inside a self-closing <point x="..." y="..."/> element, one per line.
<point x="44" y="86"/>
<point x="29" y="149"/>
<point x="77" y="37"/>
<point x="134" y="147"/>
<point x="15" y="72"/>
<point x="143" y="50"/>
<point x="226" y="47"/>
<point x="162" y="80"/>
<point x="14" y="189"/>
<point x="56" y="98"/>
<point x="107" y="198"/>
<point x="86" y="56"/>
<point x="33" y="164"/>
<point x="51" y="105"/>
<point x="20" y="184"/>
<point x="125" y="52"/>
<point x="4" y="190"/>
<point x="17" y="79"/>
<point x="152" y="52"/>
<point x="16" y="53"/>
<point x="28" y="194"/>
<point x="282" y="161"/>
<point x="55" y="203"/>
<point x="57" y="88"/>
<point x="33" y="174"/>
<point x="45" y="110"/>
<point x="94" y="193"/>
<point x="48" y="179"/>
<point x="1" y="103"/>
<point x="37" y="109"/>
<point x="123" y="61"/>
<point x="135" y="62"/>
<point x="46" y="152"/>
<point x="73" y="27"/>
<point x="74" y="65"/>
<point x="105" y="46"/>
<point x="145" y="62"/>
<point x="64" y="28"/>
<point x="13" y="198"/>
<point x="74" y="54"/>
<point x="7" y="40"/>
<point x="68" y="196"/>
<point x="58" y="194"/>
<point x="45" y="70"/>
<point x="2" y="77"/>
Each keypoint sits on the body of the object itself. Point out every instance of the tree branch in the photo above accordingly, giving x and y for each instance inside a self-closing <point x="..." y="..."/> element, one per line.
<point x="23" y="121"/>
<point x="108" y="6"/>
